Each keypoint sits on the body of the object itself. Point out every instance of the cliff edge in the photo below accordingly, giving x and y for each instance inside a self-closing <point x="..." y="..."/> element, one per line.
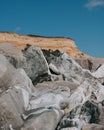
<point x="53" y="43"/>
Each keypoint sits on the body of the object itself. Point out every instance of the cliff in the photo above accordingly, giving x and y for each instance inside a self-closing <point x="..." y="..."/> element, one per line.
<point x="53" y="43"/>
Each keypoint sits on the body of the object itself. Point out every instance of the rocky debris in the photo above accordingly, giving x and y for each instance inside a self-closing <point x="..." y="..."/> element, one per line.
<point x="66" y="66"/>
<point x="64" y="96"/>
<point x="27" y="60"/>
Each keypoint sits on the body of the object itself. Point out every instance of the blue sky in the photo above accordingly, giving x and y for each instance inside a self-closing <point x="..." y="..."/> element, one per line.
<point x="82" y="20"/>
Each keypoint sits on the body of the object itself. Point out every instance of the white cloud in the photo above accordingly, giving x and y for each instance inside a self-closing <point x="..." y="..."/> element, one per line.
<point x="17" y="29"/>
<point x="94" y="3"/>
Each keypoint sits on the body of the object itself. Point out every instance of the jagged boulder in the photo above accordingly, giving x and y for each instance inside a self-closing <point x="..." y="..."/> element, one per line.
<point x="66" y="66"/>
<point x="31" y="60"/>
<point x="80" y="115"/>
<point x="36" y="65"/>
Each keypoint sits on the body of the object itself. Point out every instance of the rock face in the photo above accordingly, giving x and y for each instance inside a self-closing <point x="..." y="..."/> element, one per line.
<point x="53" y="43"/>
<point x="48" y="90"/>
<point x="36" y="65"/>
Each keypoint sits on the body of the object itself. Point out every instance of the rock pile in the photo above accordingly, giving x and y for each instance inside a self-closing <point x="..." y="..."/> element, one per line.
<point x="48" y="90"/>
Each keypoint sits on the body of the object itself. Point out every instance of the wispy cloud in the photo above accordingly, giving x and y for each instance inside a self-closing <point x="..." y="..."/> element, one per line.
<point x="94" y="3"/>
<point x="17" y="29"/>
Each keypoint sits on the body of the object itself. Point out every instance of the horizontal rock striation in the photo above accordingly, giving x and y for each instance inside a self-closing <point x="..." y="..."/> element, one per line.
<point x="53" y="43"/>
